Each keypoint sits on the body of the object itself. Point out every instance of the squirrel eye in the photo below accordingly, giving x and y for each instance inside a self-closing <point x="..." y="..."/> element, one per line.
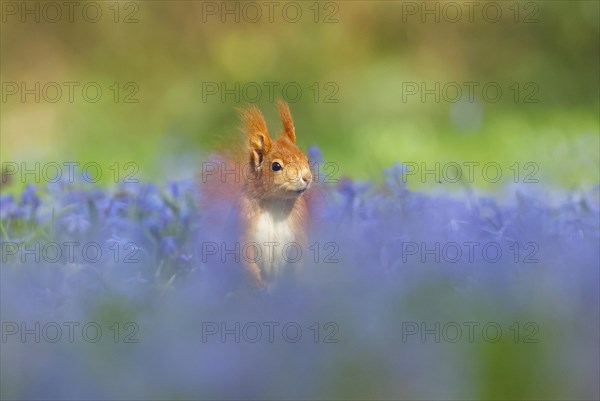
<point x="276" y="166"/>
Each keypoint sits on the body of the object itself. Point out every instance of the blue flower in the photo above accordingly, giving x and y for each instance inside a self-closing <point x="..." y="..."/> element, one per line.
<point x="29" y="197"/>
<point x="9" y="208"/>
<point x="169" y="245"/>
<point x="76" y="222"/>
<point x="315" y="156"/>
<point x="395" y="179"/>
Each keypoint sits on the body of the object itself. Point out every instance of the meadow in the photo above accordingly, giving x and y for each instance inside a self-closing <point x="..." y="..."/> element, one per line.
<point x="454" y="253"/>
<point x="401" y="295"/>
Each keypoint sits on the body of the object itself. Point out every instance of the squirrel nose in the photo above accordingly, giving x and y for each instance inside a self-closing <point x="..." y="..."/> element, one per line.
<point x="307" y="177"/>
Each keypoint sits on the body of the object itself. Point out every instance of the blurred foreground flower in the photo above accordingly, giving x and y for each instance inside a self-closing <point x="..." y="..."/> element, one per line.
<point x="390" y="274"/>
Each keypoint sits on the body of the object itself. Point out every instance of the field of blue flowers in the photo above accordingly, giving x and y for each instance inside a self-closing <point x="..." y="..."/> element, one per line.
<point x="112" y="294"/>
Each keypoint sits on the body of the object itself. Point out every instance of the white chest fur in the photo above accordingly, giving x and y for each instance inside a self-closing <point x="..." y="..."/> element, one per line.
<point x="272" y="234"/>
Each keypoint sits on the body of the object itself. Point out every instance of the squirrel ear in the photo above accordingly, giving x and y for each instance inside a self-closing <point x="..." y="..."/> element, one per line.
<point x="286" y="119"/>
<point x="255" y="127"/>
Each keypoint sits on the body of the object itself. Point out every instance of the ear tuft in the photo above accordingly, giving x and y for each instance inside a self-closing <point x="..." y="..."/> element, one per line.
<point x="255" y="129"/>
<point x="286" y="119"/>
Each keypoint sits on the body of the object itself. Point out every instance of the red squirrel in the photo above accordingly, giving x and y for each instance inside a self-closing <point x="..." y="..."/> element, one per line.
<point x="266" y="194"/>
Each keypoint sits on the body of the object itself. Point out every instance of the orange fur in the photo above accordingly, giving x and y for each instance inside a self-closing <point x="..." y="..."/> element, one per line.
<point x="268" y="203"/>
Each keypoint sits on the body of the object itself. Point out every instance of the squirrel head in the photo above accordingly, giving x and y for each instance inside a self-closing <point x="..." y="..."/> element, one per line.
<point x="278" y="169"/>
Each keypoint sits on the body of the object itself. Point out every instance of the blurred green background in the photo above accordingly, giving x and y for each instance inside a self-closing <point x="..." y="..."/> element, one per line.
<point x="359" y="54"/>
